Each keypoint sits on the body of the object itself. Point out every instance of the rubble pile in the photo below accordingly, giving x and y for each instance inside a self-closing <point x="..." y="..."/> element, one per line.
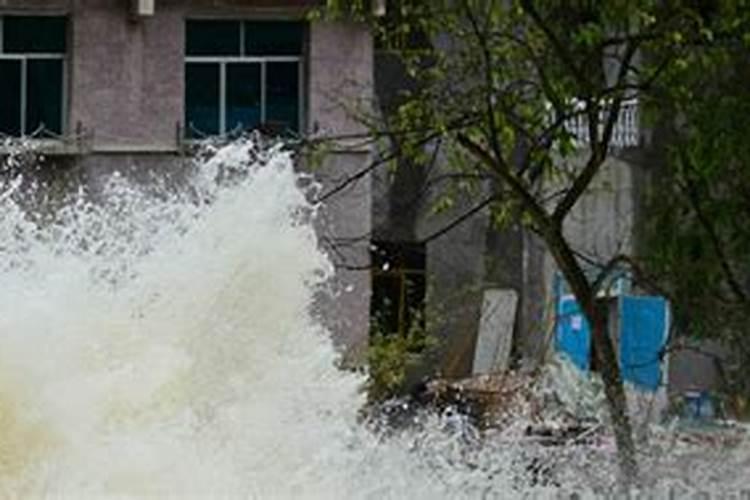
<point x="489" y="400"/>
<point x="556" y="403"/>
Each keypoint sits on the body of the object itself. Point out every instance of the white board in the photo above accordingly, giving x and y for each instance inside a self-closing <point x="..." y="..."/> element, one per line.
<point x="495" y="337"/>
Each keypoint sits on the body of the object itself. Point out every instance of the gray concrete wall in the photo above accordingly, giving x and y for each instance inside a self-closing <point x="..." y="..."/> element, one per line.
<point x="126" y="77"/>
<point x="536" y="318"/>
<point x="456" y="272"/>
<point x="340" y="81"/>
<point x="601" y="223"/>
<point x="696" y="365"/>
<point x="344" y="227"/>
<point x="340" y="77"/>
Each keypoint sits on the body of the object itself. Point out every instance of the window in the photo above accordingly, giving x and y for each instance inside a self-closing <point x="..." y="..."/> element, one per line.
<point x="398" y="285"/>
<point x="242" y="75"/>
<point x="32" y="69"/>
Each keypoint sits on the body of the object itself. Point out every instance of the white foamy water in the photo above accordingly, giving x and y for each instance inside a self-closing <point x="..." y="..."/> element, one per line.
<point x="158" y="343"/>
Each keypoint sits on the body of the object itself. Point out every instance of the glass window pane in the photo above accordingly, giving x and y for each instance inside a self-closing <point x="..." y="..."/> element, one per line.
<point x="34" y="34"/>
<point x="10" y="97"/>
<point x="212" y="38"/>
<point x="282" y="97"/>
<point x="243" y="96"/>
<point x="44" y="82"/>
<point x="273" y="38"/>
<point x="201" y="99"/>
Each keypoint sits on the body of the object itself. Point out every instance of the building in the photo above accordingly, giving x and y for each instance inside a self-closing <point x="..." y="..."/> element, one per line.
<point x="448" y="272"/>
<point x="122" y="85"/>
<point x="474" y="256"/>
<point x="473" y="259"/>
<point x="107" y="85"/>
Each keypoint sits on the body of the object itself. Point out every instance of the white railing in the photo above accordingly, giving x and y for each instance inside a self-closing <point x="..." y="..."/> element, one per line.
<point x="626" y="132"/>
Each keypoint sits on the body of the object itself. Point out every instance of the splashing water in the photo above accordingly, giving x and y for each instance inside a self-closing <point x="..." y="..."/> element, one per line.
<point x="163" y="347"/>
<point x="158" y="343"/>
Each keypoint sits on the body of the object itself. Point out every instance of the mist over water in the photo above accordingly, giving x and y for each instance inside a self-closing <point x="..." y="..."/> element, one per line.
<point x="158" y="343"/>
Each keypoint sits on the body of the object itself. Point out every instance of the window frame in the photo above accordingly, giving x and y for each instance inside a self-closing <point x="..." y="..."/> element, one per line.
<point x="224" y="60"/>
<point x="24" y="58"/>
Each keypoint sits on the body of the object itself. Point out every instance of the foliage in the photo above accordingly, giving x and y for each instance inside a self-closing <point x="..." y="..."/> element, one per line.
<point x="704" y="198"/>
<point x="497" y="82"/>
<point x="391" y="355"/>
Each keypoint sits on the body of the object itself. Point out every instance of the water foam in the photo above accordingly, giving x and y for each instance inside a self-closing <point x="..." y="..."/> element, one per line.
<point x="162" y="345"/>
<point x="157" y="343"/>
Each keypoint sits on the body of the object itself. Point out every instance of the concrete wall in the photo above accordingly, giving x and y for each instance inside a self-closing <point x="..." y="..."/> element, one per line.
<point x="601" y="223"/>
<point x="696" y="365"/>
<point x="125" y="80"/>
<point x="340" y="80"/>
<point x="127" y="77"/>
<point x="456" y="277"/>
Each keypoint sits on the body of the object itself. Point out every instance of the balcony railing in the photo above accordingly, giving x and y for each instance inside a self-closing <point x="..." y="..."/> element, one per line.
<point x="626" y="133"/>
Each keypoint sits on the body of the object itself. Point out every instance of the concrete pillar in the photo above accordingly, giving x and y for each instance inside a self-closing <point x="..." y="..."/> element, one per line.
<point x="340" y="87"/>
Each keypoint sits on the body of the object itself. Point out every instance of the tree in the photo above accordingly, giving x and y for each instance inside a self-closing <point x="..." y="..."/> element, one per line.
<point x="704" y="196"/>
<point x="499" y="82"/>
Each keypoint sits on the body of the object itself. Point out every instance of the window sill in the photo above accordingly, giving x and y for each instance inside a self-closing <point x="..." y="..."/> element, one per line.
<point x="51" y="147"/>
<point x="134" y="149"/>
<point x="56" y="147"/>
